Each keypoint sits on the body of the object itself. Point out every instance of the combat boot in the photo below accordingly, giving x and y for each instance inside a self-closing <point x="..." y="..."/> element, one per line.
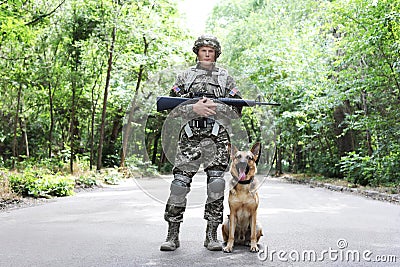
<point x="211" y="242"/>
<point x="172" y="241"/>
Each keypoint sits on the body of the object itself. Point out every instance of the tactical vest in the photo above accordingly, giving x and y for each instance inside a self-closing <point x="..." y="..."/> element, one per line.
<point x="221" y="73"/>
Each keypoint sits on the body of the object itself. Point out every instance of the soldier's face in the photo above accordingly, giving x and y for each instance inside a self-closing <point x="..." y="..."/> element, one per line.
<point x="206" y="55"/>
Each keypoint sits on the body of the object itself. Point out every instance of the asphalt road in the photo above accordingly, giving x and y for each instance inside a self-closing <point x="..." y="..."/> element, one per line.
<point x="123" y="226"/>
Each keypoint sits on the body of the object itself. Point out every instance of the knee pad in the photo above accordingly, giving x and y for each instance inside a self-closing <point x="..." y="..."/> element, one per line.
<point x="180" y="186"/>
<point x="216" y="184"/>
<point x="216" y="181"/>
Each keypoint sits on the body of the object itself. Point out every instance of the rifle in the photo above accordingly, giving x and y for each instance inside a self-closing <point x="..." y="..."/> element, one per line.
<point x="168" y="102"/>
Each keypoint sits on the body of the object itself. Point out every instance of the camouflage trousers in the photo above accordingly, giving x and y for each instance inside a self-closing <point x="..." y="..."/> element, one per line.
<point x="202" y="148"/>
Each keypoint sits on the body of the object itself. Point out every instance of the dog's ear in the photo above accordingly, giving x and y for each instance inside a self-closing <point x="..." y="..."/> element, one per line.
<point x="232" y="150"/>
<point x="256" y="150"/>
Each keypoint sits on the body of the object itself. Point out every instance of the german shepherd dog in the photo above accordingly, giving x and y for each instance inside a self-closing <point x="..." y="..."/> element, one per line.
<point x="241" y="226"/>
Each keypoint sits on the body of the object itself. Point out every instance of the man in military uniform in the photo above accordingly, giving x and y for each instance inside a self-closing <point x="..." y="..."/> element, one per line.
<point x="203" y="140"/>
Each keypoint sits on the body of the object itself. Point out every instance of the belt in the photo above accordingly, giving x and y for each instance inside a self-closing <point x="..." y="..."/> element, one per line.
<point x="202" y="123"/>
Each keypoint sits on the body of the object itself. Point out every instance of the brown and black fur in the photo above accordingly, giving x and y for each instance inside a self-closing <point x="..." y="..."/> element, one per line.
<point x="241" y="227"/>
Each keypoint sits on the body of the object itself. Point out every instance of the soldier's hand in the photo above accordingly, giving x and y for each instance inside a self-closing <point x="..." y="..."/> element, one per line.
<point x="205" y="107"/>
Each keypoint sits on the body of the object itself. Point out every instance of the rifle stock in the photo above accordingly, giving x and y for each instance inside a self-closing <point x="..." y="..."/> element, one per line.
<point x="168" y="102"/>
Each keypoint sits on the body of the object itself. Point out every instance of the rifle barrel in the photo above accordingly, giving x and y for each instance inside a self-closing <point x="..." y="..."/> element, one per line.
<point x="168" y="102"/>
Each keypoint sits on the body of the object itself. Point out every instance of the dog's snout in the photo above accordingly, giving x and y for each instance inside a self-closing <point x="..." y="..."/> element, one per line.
<point x="241" y="165"/>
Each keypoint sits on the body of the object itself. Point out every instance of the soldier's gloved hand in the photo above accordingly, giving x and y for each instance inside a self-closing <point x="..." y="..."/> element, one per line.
<point x="205" y="107"/>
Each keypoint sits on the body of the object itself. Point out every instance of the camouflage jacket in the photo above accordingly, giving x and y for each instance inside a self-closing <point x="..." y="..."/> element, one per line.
<point x="216" y="82"/>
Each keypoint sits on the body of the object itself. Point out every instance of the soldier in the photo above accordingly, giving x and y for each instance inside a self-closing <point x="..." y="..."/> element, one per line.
<point x="203" y="140"/>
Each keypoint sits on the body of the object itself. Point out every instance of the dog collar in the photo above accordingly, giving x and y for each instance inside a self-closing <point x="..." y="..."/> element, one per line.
<point x="246" y="181"/>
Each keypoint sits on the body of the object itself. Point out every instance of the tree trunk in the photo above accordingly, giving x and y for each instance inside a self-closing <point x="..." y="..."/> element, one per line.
<point x="25" y="136"/>
<point x="92" y="122"/>
<point x="279" y="169"/>
<point x="128" y="126"/>
<point x="50" y="137"/>
<point x="277" y="155"/>
<point x="103" y="115"/>
<point x="368" y="133"/>
<point x="92" y="136"/>
<point x="345" y="141"/>
<point x="116" y="129"/>
<point x="72" y="124"/>
<point x="298" y="161"/>
<point x="155" y="147"/>
<point x="162" y="160"/>
<point x="16" y="120"/>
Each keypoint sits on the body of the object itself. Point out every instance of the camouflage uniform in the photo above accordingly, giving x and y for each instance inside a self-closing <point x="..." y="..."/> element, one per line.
<point x="205" y="145"/>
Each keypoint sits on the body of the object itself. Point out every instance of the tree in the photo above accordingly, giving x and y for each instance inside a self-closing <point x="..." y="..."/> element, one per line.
<point x="55" y="58"/>
<point x="333" y="66"/>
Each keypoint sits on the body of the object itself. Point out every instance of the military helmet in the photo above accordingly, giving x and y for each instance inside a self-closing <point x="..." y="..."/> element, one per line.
<point x="207" y="40"/>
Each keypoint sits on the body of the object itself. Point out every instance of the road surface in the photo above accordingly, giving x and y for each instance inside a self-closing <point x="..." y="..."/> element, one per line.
<point x="123" y="226"/>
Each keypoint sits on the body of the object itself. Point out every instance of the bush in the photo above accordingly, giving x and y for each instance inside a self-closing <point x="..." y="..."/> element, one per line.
<point x="53" y="165"/>
<point x="6" y="192"/>
<point x="166" y="168"/>
<point x="371" y="170"/>
<point x="357" y="169"/>
<point x="112" y="176"/>
<point x="85" y="181"/>
<point x="36" y="184"/>
<point x="388" y="169"/>
<point x="325" y="165"/>
<point x="136" y="165"/>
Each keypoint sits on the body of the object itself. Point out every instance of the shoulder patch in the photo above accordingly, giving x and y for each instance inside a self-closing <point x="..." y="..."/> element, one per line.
<point x="176" y="89"/>
<point x="233" y="92"/>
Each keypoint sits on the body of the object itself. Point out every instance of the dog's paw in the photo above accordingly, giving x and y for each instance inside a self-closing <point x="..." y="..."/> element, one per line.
<point x="227" y="249"/>
<point x="254" y="248"/>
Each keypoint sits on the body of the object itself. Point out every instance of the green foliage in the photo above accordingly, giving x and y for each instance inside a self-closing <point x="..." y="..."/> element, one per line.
<point x="371" y="170"/>
<point x="358" y="169"/>
<point x="51" y="165"/>
<point x="251" y="124"/>
<point x="112" y="176"/>
<point x="6" y="192"/>
<point x="138" y="167"/>
<point x="46" y="57"/>
<point x="86" y="181"/>
<point x="37" y="184"/>
<point x="166" y="168"/>
<point x="333" y="65"/>
<point x="367" y="70"/>
<point x="389" y="169"/>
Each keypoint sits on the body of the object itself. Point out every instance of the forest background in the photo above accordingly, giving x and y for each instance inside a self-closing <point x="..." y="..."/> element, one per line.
<point x="79" y="80"/>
